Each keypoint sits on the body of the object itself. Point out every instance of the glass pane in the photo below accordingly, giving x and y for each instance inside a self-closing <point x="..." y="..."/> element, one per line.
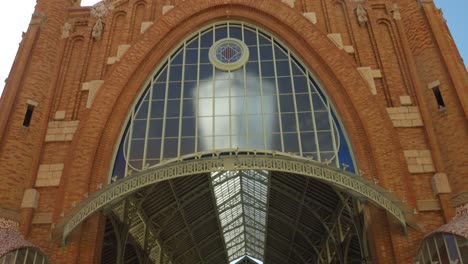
<point x="170" y="148"/>
<point x="172" y="127"/>
<point x="288" y="122"/>
<point x="187" y="146"/>
<point x="175" y="73"/>
<point x="291" y="143"/>
<point x="175" y="91"/>
<point x="188" y="127"/>
<point x="155" y="129"/>
<point x="303" y="103"/>
<point x="173" y="108"/>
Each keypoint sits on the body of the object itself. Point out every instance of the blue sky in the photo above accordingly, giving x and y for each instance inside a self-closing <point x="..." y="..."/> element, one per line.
<point x="455" y="12"/>
<point x="16" y="20"/>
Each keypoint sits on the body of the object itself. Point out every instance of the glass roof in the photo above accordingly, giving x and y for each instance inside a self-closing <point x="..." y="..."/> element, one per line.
<point x="241" y="199"/>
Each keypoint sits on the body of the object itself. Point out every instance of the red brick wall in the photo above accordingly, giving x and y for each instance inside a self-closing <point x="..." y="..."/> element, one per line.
<point x="410" y="53"/>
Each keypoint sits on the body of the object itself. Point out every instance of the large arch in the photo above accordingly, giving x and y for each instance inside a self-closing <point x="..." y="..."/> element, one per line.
<point x="87" y="168"/>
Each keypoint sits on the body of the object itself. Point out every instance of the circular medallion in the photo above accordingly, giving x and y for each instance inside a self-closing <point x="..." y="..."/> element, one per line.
<point x="229" y="54"/>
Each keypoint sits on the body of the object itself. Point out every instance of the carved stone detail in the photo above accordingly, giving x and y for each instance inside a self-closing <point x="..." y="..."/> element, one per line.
<point x="67" y="28"/>
<point x="361" y="14"/>
<point x="396" y="12"/>
<point x="97" y="30"/>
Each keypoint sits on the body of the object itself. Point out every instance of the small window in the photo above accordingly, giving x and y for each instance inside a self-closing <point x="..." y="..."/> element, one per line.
<point x="28" y="115"/>
<point x="439" y="98"/>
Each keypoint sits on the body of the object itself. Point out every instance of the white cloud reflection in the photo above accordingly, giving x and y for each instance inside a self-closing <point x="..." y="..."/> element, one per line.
<point x="230" y="113"/>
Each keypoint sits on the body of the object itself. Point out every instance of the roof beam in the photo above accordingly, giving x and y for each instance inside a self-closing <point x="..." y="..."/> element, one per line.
<point x="185" y="222"/>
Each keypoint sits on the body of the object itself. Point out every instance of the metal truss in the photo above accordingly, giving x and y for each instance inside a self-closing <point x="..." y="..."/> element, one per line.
<point x="234" y="160"/>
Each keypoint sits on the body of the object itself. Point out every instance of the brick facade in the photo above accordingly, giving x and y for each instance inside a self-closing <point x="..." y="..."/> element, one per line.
<point x="378" y="69"/>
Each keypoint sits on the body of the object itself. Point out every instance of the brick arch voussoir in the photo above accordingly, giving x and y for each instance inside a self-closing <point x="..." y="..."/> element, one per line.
<point x="368" y="127"/>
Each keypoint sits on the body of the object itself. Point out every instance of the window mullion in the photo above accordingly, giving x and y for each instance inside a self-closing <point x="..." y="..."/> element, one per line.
<point x="148" y="124"/>
<point x="163" y="132"/>
<point x="197" y="98"/>
<point x="295" y="103"/>
<point x="260" y="79"/>
<point x="181" y="108"/>
<point x="314" y="123"/>
<point x="332" y="131"/>
<point x="280" y="123"/>
<point x="130" y="140"/>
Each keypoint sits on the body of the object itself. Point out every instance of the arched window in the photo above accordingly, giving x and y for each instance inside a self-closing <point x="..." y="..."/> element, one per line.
<point x="230" y="85"/>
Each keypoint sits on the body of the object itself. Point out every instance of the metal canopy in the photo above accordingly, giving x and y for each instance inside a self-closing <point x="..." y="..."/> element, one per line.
<point x="297" y="220"/>
<point x="276" y="207"/>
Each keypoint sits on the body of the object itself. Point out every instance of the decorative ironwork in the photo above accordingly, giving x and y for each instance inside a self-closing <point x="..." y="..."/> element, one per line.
<point x="228" y="160"/>
<point x="229" y="54"/>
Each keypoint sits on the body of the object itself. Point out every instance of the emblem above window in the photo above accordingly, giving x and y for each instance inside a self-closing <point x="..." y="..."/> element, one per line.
<point x="229" y="54"/>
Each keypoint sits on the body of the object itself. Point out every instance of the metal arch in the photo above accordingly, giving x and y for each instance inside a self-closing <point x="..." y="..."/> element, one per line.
<point x="230" y="160"/>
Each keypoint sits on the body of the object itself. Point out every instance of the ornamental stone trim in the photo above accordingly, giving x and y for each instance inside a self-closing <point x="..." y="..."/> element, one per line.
<point x="338" y="41"/>
<point x="290" y="3"/>
<point x="145" y="26"/>
<point x="440" y="184"/>
<point x="428" y="205"/>
<point x="49" y="175"/>
<point x="419" y="161"/>
<point x="30" y="199"/>
<point x="369" y="75"/>
<point x="92" y="87"/>
<point x="405" y="116"/>
<point x="121" y="50"/>
<point x="167" y="8"/>
<point x="311" y="16"/>
<point x="61" y="131"/>
<point x="249" y="159"/>
<point x="42" y="218"/>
